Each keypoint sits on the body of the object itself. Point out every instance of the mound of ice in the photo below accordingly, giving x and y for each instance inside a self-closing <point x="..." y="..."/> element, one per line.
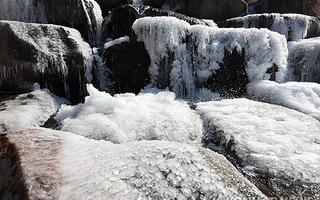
<point x="184" y="56"/>
<point x="303" y="97"/>
<point x="304" y="60"/>
<point x="276" y="147"/>
<point x="127" y="117"/>
<point x="292" y="26"/>
<point x="60" y="165"/>
<point x="28" y="110"/>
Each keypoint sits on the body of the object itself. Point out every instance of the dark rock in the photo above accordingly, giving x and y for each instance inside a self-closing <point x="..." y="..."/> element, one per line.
<point x="119" y="22"/>
<point x="294" y="27"/>
<point x="128" y="64"/>
<point x="78" y="14"/>
<point x="207" y="9"/>
<point x="107" y="5"/>
<point x="47" y="54"/>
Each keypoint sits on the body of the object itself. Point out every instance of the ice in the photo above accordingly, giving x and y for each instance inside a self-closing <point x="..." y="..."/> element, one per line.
<point x="116" y="41"/>
<point x="28" y="110"/>
<point x="292" y="26"/>
<point x="190" y="55"/>
<point x="304" y="60"/>
<point x="303" y="97"/>
<point x="60" y="165"/>
<point x="267" y="140"/>
<point x="127" y="117"/>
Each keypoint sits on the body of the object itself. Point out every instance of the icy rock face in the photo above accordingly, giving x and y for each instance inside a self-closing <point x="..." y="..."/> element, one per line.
<point x="292" y="26"/>
<point x="303" y="97"/>
<point x="83" y="15"/>
<point x="127" y="117"/>
<point x="54" y="56"/>
<point x="304" y="60"/>
<point x="127" y="64"/>
<point x="78" y="168"/>
<point x="186" y="58"/>
<point x="206" y="9"/>
<point x="119" y="22"/>
<point x="28" y="110"/>
<point x="275" y="147"/>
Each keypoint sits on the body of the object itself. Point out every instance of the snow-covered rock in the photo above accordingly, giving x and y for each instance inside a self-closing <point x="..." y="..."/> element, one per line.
<point x="206" y="9"/>
<point x="83" y="15"/>
<point x="58" y="165"/>
<point x="52" y="55"/>
<point x="186" y="58"/>
<point x="127" y="64"/>
<point x="275" y="147"/>
<point x="127" y="117"/>
<point x="28" y="110"/>
<point x="293" y="26"/>
<point x="303" y="97"/>
<point x="304" y="60"/>
<point x="119" y="22"/>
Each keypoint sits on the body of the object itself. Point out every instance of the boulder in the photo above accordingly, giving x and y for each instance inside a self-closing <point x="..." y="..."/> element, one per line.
<point x="303" y="97"/>
<point x="128" y="64"/>
<point x="54" y="56"/>
<point x="206" y="9"/>
<point x="28" y="110"/>
<point x="60" y="165"/>
<point x="107" y="5"/>
<point x="83" y="15"/>
<point x="304" y="60"/>
<point x="293" y="26"/>
<point x="277" y="148"/>
<point x="119" y="22"/>
<point x="187" y="58"/>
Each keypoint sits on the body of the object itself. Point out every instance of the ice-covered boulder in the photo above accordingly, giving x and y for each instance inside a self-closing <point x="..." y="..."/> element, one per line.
<point x="277" y="148"/>
<point x="128" y="64"/>
<point x="119" y="22"/>
<point x="54" y="56"/>
<point x="28" y="110"/>
<point x="83" y="15"/>
<point x="303" y="97"/>
<point x="304" y="60"/>
<point x="207" y="9"/>
<point x="186" y="58"/>
<point x="127" y="117"/>
<point x="47" y="164"/>
<point x="293" y="26"/>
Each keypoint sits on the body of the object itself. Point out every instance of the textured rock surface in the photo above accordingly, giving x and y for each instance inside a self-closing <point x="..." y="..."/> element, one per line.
<point x="293" y="26"/>
<point x="275" y="147"/>
<point x="83" y="15"/>
<point x="208" y="9"/>
<point x="73" y="167"/>
<point x="54" y="56"/>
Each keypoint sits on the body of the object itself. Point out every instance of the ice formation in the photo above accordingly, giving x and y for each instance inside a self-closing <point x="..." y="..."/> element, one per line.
<point x="74" y="167"/>
<point x="267" y="141"/>
<point x="292" y="26"/>
<point x="303" y="97"/>
<point x="28" y="110"/>
<point x="126" y="117"/>
<point x="189" y="55"/>
<point x="304" y="60"/>
<point x="116" y="41"/>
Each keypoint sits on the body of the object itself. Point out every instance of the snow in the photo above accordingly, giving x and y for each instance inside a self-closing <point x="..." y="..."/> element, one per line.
<point x="303" y="60"/>
<point x="79" y="168"/>
<point x="116" y="41"/>
<point x="192" y="54"/>
<point x="303" y="97"/>
<point x="292" y="26"/>
<point x="28" y="110"/>
<point x="127" y="117"/>
<point x="268" y="139"/>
